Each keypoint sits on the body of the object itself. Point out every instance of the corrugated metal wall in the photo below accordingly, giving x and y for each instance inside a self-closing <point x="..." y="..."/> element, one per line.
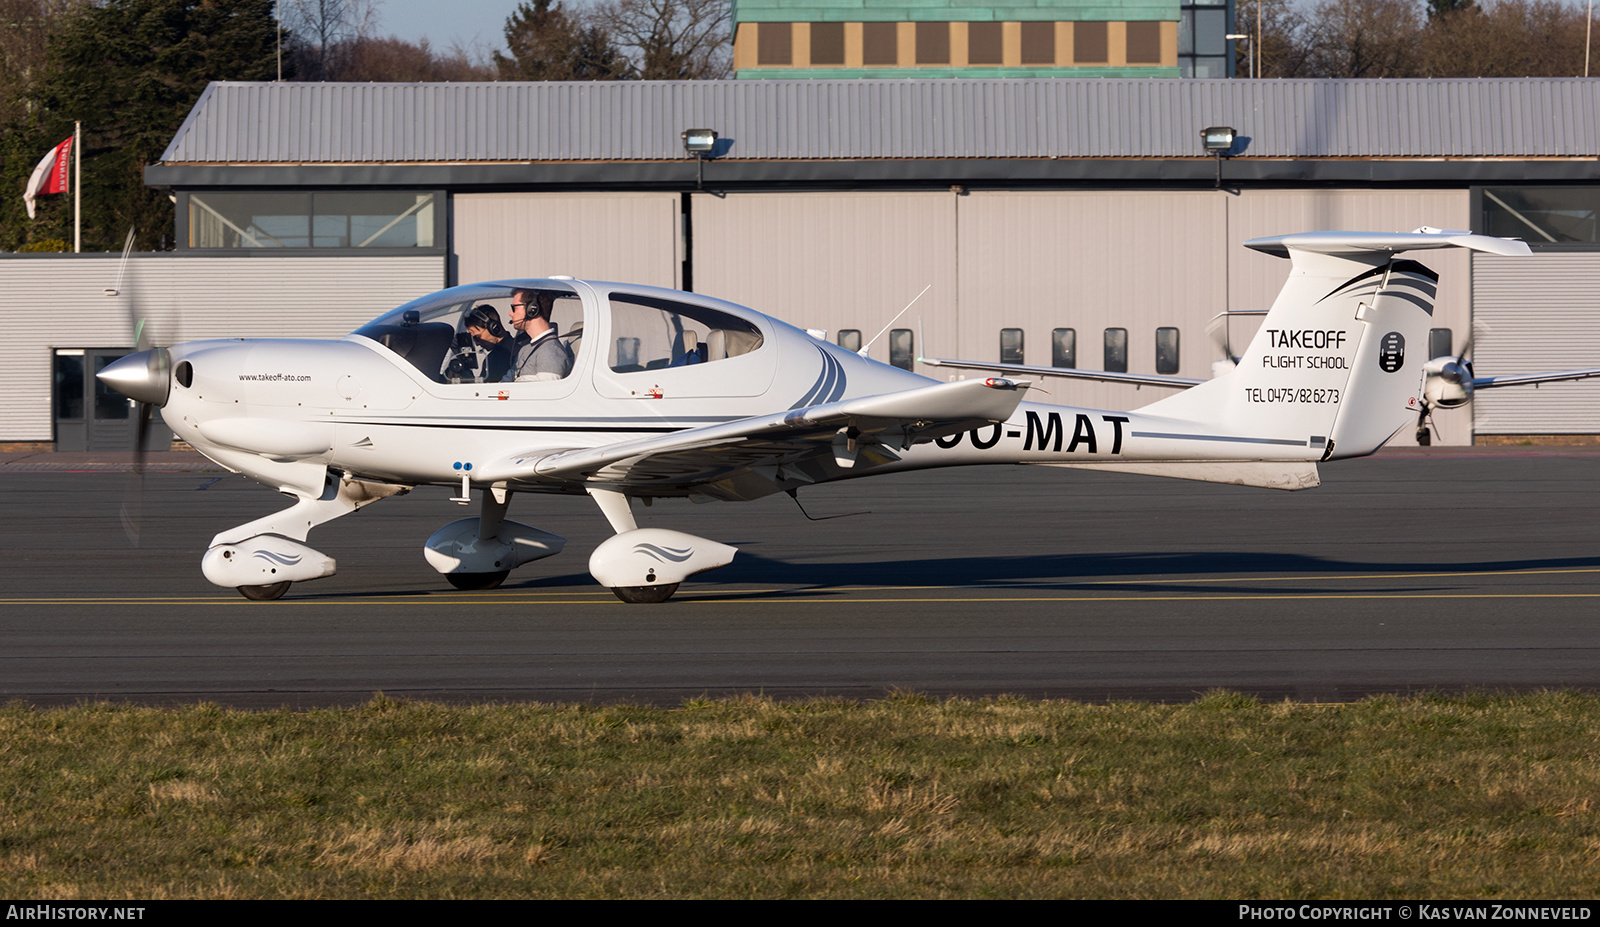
<point x="50" y="301"/>
<point x="290" y="123"/>
<point x="1535" y="314"/>
<point x="631" y="237"/>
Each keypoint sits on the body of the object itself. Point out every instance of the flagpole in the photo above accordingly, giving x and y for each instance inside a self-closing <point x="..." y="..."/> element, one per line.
<point x="77" y="187"/>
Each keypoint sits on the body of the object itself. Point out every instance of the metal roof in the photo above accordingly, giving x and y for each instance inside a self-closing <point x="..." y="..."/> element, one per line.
<point x="303" y="123"/>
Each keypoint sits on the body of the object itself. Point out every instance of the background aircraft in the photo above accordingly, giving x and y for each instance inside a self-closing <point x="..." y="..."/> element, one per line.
<point x="677" y="395"/>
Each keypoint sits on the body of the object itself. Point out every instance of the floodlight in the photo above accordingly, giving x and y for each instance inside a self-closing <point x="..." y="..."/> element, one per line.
<point x="1217" y="138"/>
<point x="699" y="142"/>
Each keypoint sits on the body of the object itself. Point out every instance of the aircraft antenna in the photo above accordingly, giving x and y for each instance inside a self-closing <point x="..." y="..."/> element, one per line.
<point x="795" y="495"/>
<point x="863" y="351"/>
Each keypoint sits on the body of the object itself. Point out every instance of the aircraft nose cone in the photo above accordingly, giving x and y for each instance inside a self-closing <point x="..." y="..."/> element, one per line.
<point x="144" y="377"/>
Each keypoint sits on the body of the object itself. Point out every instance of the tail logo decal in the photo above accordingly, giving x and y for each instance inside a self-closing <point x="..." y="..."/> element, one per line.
<point x="1392" y="352"/>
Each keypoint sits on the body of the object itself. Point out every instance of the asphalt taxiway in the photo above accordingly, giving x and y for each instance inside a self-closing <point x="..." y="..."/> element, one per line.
<point x="1444" y="569"/>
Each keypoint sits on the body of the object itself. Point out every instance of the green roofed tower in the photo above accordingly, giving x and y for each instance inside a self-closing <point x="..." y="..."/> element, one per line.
<point x="980" y="38"/>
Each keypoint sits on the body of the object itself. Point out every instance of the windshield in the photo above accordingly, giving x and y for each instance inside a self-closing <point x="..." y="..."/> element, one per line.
<point x="465" y="334"/>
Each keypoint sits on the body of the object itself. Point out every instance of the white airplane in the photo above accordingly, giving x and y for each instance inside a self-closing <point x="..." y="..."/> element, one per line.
<point x="679" y="395"/>
<point x="1448" y="381"/>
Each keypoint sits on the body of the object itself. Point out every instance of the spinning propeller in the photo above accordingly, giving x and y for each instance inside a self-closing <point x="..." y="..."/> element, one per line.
<point x="145" y="377"/>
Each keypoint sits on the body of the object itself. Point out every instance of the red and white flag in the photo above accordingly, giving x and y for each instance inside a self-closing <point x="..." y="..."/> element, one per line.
<point x="53" y="175"/>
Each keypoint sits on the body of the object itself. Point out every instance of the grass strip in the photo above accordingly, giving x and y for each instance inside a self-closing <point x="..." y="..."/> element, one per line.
<point x="1469" y="797"/>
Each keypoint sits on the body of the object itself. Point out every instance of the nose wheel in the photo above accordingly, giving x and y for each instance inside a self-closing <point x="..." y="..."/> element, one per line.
<point x="645" y="595"/>
<point x="265" y="593"/>
<point x="477" y="581"/>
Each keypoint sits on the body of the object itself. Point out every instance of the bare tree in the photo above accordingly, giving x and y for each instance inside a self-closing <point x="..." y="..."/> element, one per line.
<point x="329" y="30"/>
<point x="1509" y="38"/>
<point x="394" y="59"/>
<point x="672" y="39"/>
<point x="1363" y="38"/>
<point x="1283" y="44"/>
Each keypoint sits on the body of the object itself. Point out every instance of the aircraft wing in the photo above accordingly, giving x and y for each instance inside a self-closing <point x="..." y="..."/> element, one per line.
<point x="1518" y="379"/>
<point x="1138" y="379"/>
<point x="753" y="457"/>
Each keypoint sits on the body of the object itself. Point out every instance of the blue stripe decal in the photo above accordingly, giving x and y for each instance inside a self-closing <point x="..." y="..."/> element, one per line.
<point x="829" y="385"/>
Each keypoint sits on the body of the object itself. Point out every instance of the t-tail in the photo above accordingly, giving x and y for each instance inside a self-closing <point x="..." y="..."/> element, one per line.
<point x="1336" y="367"/>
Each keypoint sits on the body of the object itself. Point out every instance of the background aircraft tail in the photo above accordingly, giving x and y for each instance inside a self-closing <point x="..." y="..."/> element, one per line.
<point x="1336" y="366"/>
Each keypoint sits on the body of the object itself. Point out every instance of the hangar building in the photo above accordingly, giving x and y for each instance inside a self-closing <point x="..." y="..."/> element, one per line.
<point x="1065" y="221"/>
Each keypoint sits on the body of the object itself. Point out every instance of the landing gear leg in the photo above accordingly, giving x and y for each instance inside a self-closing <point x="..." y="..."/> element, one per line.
<point x="645" y="565"/>
<point x="1424" y="435"/>
<point x="262" y="558"/>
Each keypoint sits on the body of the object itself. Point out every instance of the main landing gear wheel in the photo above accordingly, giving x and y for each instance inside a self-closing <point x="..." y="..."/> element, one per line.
<point x="473" y="581"/>
<point x="644" y="595"/>
<point x="265" y="593"/>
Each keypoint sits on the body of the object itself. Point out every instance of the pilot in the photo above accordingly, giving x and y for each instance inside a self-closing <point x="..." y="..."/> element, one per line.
<point x="540" y="354"/>
<point x="483" y="323"/>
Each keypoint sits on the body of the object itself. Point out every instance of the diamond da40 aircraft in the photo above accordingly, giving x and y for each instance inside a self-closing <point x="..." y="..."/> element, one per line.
<point x="675" y="394"/>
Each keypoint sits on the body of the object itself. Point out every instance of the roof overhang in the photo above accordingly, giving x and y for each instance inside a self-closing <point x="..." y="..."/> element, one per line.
<point x="886" y="173"/>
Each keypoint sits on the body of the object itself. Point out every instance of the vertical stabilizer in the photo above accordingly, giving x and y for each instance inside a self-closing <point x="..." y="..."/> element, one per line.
<point x="1337" y="363"/>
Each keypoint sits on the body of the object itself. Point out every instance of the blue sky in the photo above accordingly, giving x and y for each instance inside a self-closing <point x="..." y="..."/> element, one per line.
<point x="476" y="25"/>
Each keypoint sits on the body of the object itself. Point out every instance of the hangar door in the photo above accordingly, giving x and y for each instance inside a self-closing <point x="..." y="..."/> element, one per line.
<point x="627" y="237"/>
<point x="844" y="262"/>
<point x="1532" y="314"/>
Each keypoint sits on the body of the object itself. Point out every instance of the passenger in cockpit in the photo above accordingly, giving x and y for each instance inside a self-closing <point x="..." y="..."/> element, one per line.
<point x="482" y="353"/>
<point x="483" y="323"/>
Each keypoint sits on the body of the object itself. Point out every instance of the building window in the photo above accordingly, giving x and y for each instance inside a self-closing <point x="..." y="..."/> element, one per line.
<point x="1089" y="43"/>
<point x="984" y="44"/>
<point x="1167" y="351"/>
<point x="309" y="220"/>
<point x="1203" y="39"/>
<point x="902" y="349"/>
<point x="1064" y="347"/>
<point x="1440" y="343"/>
<point x="1011" y="346"/>
<point x="850" y="339"/>
<point x="1039" y="43"/>
<point x="933" y="43"/>
<point x="878" y="48"/>
<point x="827" y="43"/>
<point x="1144" y="43"/>
<point x="1116" y="350"/>
<point x="774" y="44"/>
<point x="1544" y="217"/>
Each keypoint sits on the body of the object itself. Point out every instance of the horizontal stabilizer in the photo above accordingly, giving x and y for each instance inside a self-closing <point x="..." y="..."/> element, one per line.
<point x="1522" y="379"/>
<point x="1354" y="243"/>
<point x="1267" y="474"/>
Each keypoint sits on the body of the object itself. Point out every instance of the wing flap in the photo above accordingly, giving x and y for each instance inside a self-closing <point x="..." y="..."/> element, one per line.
<point x="1267" y="474"/>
